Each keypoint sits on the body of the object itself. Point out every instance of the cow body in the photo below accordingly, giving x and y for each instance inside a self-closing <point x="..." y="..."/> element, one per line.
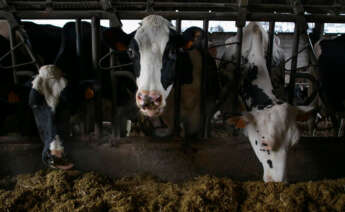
<point x="330" y="55"/>
<point x="156" y="50"/>
<point x="67" y="87"/>
<point x="269" y="123"/>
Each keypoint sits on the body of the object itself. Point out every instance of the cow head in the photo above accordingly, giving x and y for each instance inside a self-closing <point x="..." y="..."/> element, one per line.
<point x="44" y="98"/>
<point x="153" y="49"/>
<point x="272" y="132"/>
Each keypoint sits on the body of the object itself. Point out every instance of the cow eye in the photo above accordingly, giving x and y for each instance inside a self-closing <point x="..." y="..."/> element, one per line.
<point x="131" y="53"/>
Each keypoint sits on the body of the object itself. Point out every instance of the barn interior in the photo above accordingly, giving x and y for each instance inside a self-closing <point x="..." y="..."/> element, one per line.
<point x="99" y="140"/>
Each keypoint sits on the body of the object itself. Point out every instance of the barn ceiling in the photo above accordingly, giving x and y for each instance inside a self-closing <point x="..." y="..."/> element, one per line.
<point x="312" y="6"/>
<point x="139" y="8"/>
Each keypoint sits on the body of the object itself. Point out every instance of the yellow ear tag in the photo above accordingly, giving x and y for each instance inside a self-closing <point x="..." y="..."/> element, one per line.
<point x="89" y="94"/>
<point x="120" y="46"/>
<point x="13" y="98"/>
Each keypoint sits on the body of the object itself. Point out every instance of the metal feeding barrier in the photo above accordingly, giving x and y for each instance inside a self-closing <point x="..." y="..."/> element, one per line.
<point x="237" y="10"/>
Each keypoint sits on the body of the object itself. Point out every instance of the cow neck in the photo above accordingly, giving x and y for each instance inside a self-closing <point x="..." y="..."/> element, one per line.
<point x="256" y="88"/>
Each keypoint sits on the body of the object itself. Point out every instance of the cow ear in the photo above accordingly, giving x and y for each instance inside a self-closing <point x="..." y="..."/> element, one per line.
<point x="240" y="122"/>
<point x="304" y="113"/>
<point x="117" y="39"/>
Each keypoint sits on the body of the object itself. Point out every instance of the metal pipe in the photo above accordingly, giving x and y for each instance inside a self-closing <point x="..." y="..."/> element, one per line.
<point x="254" y="16"/>
<point x="294" y="64"/>
<point x="237" y="74"/>
<point x="270" y="46"/>
<point x="116" y="128"/>
<point x="12" y="36"/>
<point x="78" y="31"/>
<point x="203" y="92"/>
<point x="168" y="5"/>
<point x="95" y="34"/>
<point x="62" y="14"/>
<point x="177" y="90"/>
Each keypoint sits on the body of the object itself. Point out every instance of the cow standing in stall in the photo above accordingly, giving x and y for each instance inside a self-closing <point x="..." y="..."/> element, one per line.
<point x="158" y="52"/>
<point x="330" y="55"/>
<point x="269" y="123"/>
<point x="60" y="89"/>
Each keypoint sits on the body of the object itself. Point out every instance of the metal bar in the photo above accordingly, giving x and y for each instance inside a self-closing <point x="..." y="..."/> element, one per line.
<point x="177" y="91"/>
<point x="240" y="23"/>
<point x="300" y="26"/>
<point x="95" y="34"/>
<point x="253" y="16"/>
<point x="12" y="36"/>
<point x="78" y="31"/>
<point x="270" y="46"/>
<point x="294" y="64"/>
<point x="203" y="92"/>
<point x="13" y="24"/>
<point x="62" y="14"/>
<point x="116" y="128"/>
<point x="169" y="5"/>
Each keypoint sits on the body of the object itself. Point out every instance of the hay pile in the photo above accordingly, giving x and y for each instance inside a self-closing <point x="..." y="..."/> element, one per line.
<point x="55" y="190"/>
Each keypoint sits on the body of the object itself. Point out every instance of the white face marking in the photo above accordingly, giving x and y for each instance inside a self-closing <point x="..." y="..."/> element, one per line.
<point x="271" y="133"/>
<point x="56" y="144"/>
<point x="50" y="83"/>
<point x="152" y="38"/>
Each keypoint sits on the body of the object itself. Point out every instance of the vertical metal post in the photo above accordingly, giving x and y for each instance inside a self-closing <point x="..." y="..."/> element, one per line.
<point x="203" y="115"/>
<point x="316" y="35"/>
<point x="240" y="23"/>
<point x="95" y="26"/>
<point x="116" y="124"/>
<point x="177" y="91"/>
<point x="78" y="47"/>
<point x="294" y="63"/>
<point x="239" y="51"/>
<point x="78" y="41"/>
<point x="12" y="36"/>
<point x="270" y="46"/>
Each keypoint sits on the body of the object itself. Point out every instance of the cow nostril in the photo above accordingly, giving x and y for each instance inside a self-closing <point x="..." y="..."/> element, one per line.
<point x="158" y="100"/>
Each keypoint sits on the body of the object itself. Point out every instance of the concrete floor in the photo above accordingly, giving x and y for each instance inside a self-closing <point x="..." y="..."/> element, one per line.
<point x="171" y="160"/>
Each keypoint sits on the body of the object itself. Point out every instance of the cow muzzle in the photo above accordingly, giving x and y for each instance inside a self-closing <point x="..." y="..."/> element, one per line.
<point x="150" y="103"/>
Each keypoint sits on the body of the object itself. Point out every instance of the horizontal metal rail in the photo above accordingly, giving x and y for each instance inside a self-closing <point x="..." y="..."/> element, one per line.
<point x="214" y="6"/>
<point x="187" y="15"/>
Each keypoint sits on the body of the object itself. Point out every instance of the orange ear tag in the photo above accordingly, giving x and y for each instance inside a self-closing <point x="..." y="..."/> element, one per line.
<point x="89" y="94"/>
<point x="13" y="98"/>
<point x="120" y="46"/>
<point x="188" y="45"/>
<point x="241" y="123"/>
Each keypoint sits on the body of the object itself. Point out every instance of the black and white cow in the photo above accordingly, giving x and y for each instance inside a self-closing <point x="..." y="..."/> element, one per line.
<point x="331" y="59"/>
<point x="158" y="52"/>
<point x="269" y="123"/>
<point x="60" y="89"/>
